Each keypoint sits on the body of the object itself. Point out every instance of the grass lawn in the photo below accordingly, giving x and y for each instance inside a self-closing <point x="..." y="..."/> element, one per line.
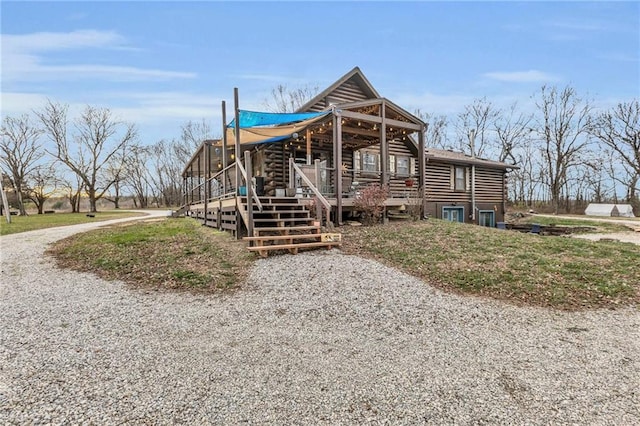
<point x="166" y="254"/>
<point x="560" y="272"/>
<point x="41" y="221"/>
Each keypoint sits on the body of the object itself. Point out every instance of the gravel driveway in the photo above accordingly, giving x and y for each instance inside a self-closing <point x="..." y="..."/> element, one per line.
<point x="317" y="338"/>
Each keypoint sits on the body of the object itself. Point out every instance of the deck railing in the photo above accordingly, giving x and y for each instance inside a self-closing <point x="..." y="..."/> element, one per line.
<point x="294" y="168"/>
<point x="251" y="188"/>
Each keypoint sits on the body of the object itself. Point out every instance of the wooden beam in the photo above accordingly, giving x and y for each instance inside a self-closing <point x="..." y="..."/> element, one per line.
<point x="338" y="126"/>
<point x="384" y="157"/>
<point x="359" y="116"/>
<point x="422" y="172"/>
<point x="360" y="131"/>
<point x="361" y="104"/>
<point x="249" y="186"/>
<point x="236" y="109"/>
<point x="224" y="147"/>
<point x="308" y="138"/>
<point x="403" y="124"/>
<point x="207" y="175"/>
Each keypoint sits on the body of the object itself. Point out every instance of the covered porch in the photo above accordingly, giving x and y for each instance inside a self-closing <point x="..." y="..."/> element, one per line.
<point x="328" y="156"/>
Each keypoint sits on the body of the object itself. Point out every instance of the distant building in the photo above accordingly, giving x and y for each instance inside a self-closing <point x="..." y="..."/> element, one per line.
<point x="612" y="210"/>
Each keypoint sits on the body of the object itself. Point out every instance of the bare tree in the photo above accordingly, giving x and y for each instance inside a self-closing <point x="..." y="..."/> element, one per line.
<point x="165" y="173"/>
<point x="478" y="116"/>
<point x="96" y="143"/>
<point x="286" y="99"/>
<point x="563" y="127"/>
<point x="435" y="134"/>
<point x="619" y="130"/>
<point x="73" y="192"/>
<point x="513" y="131"/>
<point x="21" y="152"/>
<point x="193" y="133"/>
<point x="115" y="172"/>
<point x="137" y="175"/>
<point x="41" y="185"/>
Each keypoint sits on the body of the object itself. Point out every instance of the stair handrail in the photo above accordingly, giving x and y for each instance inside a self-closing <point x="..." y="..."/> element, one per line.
<point x="253" y="187"/>
<point x="222" y="172"/>
<point x="313" y="188"/>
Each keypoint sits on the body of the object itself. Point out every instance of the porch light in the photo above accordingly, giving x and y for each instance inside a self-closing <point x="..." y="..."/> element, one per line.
<point x="219" y="165"/>
<point x="233" y="156"/>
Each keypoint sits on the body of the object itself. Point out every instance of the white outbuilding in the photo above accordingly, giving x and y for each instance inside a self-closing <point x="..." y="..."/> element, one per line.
<point x="614" y="210"/>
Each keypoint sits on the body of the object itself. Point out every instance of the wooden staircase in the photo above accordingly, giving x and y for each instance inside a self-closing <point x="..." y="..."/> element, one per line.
<point x="284" y="224"/>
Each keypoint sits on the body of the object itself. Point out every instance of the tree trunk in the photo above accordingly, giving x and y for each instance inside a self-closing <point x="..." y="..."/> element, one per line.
<point x="23" y="211"/>
<point x="92" y="201"/>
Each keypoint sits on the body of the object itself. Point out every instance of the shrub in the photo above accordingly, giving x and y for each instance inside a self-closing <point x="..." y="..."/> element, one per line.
<point x="58" y="205"/>
<point x="370" y="201"/>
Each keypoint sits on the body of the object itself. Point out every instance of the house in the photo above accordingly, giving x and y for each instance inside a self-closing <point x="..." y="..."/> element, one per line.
<point x="345" y="138"/>
<point x="613" y="210"/>
<point x="464" y="188"/>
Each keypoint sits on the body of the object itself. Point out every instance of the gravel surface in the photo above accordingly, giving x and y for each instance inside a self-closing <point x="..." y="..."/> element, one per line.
<point x="625" y="237"/>
<point x="317" y="338"/>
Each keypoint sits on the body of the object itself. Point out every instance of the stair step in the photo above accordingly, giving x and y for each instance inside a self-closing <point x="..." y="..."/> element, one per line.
<point x="285" y="228"/>
<point x="280" y="212"/>
<point x="263" y="250"/>
<point x="284" y="219"/>
<point x="282" y="237"/>
<point x="265" y="205"/>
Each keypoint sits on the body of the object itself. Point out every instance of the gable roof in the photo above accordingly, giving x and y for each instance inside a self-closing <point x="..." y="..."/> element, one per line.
<point x="462" y="158"/>
<point x="354" y="75"/>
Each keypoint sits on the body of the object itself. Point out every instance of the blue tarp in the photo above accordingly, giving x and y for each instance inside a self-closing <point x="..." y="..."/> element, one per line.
<point x="250" y="119"/>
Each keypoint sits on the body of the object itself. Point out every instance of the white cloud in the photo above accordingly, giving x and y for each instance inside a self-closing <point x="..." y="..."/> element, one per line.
<point x="47" y="41"/>
<point x="15" y="103"/>
<point x="23" y="58"/>
<point x="531" y="76"/>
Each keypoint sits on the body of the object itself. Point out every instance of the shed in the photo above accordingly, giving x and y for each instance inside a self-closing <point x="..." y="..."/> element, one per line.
<point x="614" y="210"/>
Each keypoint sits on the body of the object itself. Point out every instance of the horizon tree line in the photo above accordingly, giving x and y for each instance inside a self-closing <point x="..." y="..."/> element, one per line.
<point x="564" y="152"/>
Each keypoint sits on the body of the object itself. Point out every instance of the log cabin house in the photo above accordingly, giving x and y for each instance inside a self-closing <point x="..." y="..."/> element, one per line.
<point x="342" y="140"/>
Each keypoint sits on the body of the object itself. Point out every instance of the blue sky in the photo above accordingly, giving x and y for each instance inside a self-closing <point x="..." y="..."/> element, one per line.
<point x="160" y="64"/>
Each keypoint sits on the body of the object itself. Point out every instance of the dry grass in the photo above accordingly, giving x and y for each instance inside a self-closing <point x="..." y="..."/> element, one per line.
<point x="529" y="269"/>
<point x="167" y="254"/>
<point x="559" y="272"/>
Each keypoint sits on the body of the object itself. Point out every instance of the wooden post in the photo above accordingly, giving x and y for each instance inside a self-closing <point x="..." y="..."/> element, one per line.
<point x="237" y="134"/>
<point x="292" y="177"/>
<point x="317" y="184"/>
<point x="224" y="146"/>
<point x="249" y="185"/>
<point x="191" y="184"/>
<point x="338" y="161"/>
<point x="308" y="138"/>
<point x="384" y="157"/>
<point x="237" y="159"/>
<point x="207" y="174"/>
<point x="422" y="172"/>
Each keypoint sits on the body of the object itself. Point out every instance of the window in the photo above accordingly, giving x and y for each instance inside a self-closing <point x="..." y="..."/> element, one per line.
<point x="402" y="167"/>
<point x="487" y="218"/>
<point x="460" y="179"/>
<point x="453" y="214"/>
<point x="370" y="162"/>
